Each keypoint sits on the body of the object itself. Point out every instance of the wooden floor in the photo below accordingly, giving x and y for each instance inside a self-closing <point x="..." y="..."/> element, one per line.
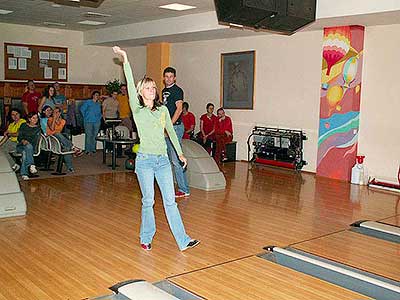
<point x="360" y="251"/>
<point x="258" y="279"/>
<point x="81" y="233"/>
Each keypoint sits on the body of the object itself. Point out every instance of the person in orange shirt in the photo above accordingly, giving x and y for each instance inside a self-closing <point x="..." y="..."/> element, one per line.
<point x="55" y="125"/>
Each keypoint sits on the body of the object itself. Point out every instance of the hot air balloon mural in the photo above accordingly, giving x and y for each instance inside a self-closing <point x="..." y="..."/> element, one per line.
<point x="350" y="70"/>
<point x="336" y="44"/>
<point x="340" y="101"/>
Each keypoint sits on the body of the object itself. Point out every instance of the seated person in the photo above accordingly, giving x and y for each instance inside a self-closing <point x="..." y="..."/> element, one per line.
<point x="223" y="135"/>
<point x="207" y="128"/>
<point x="9" y="141"/>
<point x="28" y="137"/>
<point x="55" y="125"/>
<point x="188" y="121"/>
<point x="46" y="113"/>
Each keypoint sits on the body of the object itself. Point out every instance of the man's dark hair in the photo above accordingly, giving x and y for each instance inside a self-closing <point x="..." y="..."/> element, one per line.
<point x="95" y="92"/>
<point x="169" y="70"/>
<point x="209" y="104"/>
<point x="185" y="105"/>
<point x="220" y="109"/>
<point x="30" y="80"/>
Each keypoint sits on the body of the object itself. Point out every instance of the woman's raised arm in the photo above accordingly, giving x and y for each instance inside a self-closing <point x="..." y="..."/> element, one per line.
<point x="133" y="99"/>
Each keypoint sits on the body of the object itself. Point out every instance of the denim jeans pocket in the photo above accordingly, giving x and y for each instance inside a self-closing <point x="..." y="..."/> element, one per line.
<point x="141" y="156"/>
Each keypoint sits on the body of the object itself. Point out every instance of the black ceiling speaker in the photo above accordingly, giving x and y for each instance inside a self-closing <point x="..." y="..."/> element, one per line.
<point x="284" y="16"/>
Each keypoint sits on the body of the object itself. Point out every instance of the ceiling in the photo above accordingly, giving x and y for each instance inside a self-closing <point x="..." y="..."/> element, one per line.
<point x="36" y="12"/>
<point x="121" y="24"/>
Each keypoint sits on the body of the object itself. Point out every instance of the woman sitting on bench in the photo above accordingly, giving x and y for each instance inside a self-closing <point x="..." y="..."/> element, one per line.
<point x="28" y="137"/>
<point x="55" y="126"/>
<point x="9" y="140"/>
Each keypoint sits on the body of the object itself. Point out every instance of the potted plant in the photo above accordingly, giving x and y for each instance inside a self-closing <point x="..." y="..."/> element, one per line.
<point x="113" y="86"/>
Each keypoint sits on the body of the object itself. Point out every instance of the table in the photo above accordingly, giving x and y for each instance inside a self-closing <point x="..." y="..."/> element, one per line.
<point x="114" y="143"/>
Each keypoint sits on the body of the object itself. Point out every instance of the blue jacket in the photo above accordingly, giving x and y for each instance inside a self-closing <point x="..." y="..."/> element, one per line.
<point x="91" y="111"/>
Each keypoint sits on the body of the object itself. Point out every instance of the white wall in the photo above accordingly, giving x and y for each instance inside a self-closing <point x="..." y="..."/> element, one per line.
<point x="288" y="74"/>
<point x="86" y="64"/>
<point x="287" y="89"/>
<point x="380" y="101"/>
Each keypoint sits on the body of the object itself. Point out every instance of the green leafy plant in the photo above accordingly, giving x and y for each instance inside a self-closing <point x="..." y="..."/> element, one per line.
<point x="113" y="86"/>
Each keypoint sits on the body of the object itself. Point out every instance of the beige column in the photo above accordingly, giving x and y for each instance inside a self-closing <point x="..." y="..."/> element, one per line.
<point x="157" y="61"/>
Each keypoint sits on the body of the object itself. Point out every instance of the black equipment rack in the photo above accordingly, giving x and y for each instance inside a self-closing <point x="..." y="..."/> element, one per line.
<point x="276" y="147"/>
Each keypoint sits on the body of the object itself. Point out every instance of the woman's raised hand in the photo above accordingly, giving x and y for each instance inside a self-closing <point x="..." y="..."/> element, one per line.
<point x="119" y="51"/>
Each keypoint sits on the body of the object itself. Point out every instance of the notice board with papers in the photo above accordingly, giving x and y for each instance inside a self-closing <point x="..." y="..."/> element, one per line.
<point x="41" y="63"/>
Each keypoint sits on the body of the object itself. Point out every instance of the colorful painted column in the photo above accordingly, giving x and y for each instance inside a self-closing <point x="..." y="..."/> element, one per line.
<point x="340" y="101"/>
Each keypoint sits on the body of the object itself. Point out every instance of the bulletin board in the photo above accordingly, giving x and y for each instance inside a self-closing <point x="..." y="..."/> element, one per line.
<point x="42" y="63"/>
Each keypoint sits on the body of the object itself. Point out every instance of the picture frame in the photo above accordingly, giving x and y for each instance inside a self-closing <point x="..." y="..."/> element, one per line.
<point x="237" y="80"/>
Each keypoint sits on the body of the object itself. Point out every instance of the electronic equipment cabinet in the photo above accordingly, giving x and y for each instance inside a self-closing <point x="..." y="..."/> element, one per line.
<point x="276" y="147"/>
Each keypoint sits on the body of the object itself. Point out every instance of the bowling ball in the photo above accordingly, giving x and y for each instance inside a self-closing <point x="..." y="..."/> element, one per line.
<point x="130" y="164"/>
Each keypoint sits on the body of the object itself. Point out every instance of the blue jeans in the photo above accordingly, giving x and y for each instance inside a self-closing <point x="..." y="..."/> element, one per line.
<point x="147" y="167"/>
<point x="91" y="130"/>
<point x="180" y="174"/>
<point x="27" y="157"/>
<point x="66" y="145"/>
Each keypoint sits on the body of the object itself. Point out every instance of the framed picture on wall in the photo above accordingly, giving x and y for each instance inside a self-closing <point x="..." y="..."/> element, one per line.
<point x="237" y="80"/>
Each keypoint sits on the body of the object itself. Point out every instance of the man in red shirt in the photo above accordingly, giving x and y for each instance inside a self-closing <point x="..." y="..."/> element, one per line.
<point x="223" y="135"/>
<point x="207" y="128"/>
<point x="30" y="99"/>
<point x="188" y="121"/>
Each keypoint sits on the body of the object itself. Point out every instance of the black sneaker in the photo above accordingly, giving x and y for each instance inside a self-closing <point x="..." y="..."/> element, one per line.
<point x="191" y="244"/>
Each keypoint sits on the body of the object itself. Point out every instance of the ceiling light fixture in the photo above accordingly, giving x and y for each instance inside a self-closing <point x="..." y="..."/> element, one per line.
<point x="94" y="23"/>
<point x="5" y="12"/>
<point x="54" y="24"/>
<point x="95" y="14"/>
<point x="236" y="25"/>
<point x="177" y="6"/>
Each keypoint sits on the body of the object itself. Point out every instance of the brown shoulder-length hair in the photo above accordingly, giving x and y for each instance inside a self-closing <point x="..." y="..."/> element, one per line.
<point x="140" y="86"/>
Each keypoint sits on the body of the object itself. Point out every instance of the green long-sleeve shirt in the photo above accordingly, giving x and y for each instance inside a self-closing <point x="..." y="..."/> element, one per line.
<point x="150" y="123"/>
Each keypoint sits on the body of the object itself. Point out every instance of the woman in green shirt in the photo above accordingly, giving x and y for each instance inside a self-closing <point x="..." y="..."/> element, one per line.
<point x="152" y="120"/>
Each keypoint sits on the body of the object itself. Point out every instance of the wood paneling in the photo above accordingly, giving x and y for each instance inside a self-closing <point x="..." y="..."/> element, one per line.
<point x="81" y="233"/>
<point x="16" y="89"/>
